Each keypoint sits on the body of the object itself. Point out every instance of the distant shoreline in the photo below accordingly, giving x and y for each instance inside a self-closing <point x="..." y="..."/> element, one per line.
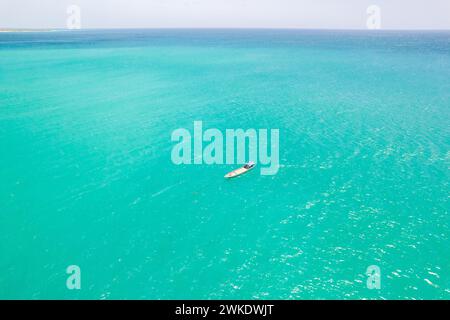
<point x="29" y="30"/>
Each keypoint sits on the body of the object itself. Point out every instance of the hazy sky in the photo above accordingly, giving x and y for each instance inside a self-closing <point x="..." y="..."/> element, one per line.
<point x="331" y="14"/>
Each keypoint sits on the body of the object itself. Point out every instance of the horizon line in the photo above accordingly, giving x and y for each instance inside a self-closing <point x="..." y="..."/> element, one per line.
<point x="24" y="29"/>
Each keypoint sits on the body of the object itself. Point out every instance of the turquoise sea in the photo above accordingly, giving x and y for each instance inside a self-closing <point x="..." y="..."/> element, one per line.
<point x="86" y="176"/>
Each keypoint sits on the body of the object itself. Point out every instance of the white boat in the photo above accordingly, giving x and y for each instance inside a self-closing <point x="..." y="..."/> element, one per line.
<point x="235" y="173"/>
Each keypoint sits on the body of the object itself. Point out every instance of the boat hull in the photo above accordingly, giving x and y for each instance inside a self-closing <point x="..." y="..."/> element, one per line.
<point x="237" y="173"/>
